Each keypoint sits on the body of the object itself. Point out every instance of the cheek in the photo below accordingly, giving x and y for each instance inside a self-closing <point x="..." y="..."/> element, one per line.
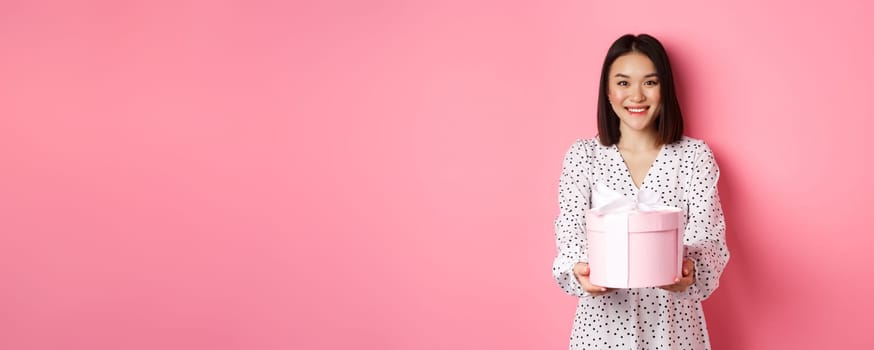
<point x="614" y="96"/>
<point x="655" y="95"/>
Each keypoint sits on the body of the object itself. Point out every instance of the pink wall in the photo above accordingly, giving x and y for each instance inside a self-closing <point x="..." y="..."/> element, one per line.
<point x="259" y="175"/>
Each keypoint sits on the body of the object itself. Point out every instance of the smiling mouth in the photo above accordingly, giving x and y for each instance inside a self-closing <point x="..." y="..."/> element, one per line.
<point x="637" y="109"/>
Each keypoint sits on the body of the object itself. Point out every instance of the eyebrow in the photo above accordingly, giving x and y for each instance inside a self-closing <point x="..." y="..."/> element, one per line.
<point x="620" y="75"/>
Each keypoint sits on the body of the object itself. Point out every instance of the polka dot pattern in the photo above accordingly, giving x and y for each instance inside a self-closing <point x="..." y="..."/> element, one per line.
<point x="684" y="174"/>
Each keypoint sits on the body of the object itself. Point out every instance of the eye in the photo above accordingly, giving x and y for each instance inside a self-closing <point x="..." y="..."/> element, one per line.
<point x="622" y="83"/>
<point x="651" y="83"/>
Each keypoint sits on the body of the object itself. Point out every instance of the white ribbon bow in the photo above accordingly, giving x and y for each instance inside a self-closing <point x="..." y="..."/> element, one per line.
<point x="607" y="201"/>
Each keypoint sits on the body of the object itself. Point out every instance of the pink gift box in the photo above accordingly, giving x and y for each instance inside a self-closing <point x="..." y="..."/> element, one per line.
<point x="635" y="249"/>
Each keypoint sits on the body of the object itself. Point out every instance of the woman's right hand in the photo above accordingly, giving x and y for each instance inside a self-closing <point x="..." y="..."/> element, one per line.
<point x="581" y="272"/>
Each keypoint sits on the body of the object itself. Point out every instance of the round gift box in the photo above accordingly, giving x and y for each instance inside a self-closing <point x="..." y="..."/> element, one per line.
<point x="635" y="249"/>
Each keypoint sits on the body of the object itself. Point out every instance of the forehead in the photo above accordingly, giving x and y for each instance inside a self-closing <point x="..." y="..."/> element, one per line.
<point x="633" y="65"/>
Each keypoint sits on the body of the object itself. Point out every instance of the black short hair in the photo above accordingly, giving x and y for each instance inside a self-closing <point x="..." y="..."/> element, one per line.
<point x="669" y="121"/>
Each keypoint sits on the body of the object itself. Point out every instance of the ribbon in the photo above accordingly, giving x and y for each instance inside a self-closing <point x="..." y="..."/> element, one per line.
<point x="615" y="254"/>
<point x="607" y="201"/>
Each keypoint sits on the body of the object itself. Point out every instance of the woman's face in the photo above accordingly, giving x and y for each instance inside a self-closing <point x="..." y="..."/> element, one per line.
<point x="634" y="91"/>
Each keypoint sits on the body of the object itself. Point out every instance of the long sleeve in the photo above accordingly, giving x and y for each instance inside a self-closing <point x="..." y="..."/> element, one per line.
<point x="573" y="200"/>
<point x="705" y="226"/>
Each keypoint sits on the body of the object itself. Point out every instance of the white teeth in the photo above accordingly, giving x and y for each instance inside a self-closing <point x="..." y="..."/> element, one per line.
<point x="636" y="110"/>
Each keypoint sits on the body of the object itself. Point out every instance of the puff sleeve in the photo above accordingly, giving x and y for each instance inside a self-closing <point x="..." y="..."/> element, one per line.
<point x="704" y="235"/>
<point x="573" y="200"/>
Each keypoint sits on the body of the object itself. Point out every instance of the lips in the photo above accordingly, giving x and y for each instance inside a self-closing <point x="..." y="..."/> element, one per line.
<point x="637" y="110"/>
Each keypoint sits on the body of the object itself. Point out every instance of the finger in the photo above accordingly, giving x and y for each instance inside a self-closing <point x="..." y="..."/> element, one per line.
<point x="591" y="288"/>
<point x="582" y="274"/>
<point x="673" y="285"/>
<point x="680" y="285"/>
<point x="688" y="267"/>
<point x="687" y="281"/>
<point x="689" y="277"/>
<point x="670" y="288"/>
<point x="581" y="269"/>
<point x="601" y="292"/>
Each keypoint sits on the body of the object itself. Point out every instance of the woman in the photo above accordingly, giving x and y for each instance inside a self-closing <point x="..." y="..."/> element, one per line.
<point x="640" y="145"/>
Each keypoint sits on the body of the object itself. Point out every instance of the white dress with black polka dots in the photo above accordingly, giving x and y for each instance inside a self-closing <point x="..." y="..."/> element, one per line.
<point x="684" y="174"/>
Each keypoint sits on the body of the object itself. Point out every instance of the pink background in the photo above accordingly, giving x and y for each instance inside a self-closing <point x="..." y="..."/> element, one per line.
<point x="383" y="175"/>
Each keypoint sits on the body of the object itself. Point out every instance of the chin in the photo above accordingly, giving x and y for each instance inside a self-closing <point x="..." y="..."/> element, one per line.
<point x="640" y="126"/>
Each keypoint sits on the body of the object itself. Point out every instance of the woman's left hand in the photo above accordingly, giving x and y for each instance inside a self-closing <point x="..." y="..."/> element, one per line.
<point x="681" y="283"/>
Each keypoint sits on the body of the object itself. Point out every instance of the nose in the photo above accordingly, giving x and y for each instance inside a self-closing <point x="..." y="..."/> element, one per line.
<point x="637" y="95"/>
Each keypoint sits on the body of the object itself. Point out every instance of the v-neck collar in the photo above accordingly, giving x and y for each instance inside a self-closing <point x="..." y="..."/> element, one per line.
<point x="628" y="171"/>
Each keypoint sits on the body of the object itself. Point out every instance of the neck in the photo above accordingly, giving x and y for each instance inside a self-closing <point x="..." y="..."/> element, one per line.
<point x="638" y="140"/>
